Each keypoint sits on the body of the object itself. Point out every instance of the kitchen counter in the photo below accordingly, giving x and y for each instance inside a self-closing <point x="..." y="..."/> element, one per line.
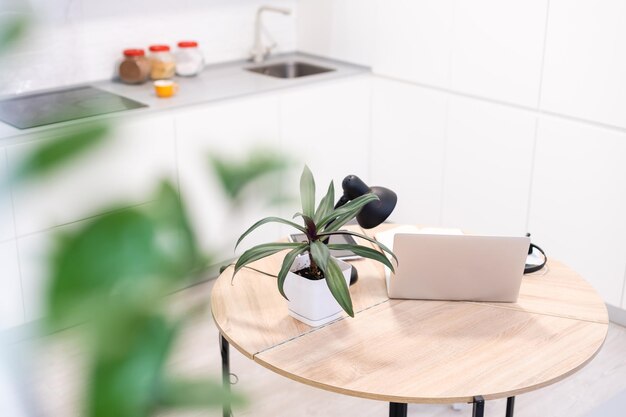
<point x="215" y="83"/>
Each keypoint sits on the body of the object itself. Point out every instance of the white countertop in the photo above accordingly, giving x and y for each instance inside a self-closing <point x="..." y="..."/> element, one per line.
<point x="217" y="82"/>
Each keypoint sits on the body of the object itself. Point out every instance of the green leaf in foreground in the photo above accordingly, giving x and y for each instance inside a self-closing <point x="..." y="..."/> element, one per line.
<point x="124" y="380"/>
<point x="176" y="241"/>
<point x="52" y="154"/>
<point x="236" y="176"/>
<point x="110" y="255"/>
<point x="12" y="27"/>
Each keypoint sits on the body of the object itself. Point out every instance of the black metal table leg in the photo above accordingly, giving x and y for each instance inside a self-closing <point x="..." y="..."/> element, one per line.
<point x="479" y="407"/>
<point x="224" y="351"/>
<point x="510" y="405"/>
<point x="397" y="409"/>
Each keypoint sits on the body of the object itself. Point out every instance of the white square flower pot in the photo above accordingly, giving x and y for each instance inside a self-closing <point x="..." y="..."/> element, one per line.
<point x="310" y="301"/>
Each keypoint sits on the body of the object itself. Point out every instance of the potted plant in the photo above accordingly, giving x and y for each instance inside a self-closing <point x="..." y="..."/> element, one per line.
<point x="314" y="283"/>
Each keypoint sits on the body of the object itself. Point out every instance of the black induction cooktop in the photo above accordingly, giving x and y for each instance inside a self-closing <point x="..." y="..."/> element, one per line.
<point x="42" y="109"/>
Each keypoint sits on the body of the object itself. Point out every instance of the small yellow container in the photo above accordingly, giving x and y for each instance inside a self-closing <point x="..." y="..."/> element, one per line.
<point x="165" y="88"/>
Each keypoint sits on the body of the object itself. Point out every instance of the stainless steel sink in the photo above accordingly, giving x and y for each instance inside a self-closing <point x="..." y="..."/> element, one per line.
<point x="292" y="69"/>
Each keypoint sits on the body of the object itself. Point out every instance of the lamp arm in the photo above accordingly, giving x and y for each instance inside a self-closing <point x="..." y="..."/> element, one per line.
<point x="342" y="201"/>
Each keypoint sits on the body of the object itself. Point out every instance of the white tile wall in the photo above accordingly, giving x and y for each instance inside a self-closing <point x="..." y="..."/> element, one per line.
<point x="341" y="29"/>
<point x="585" y="60"/>
<point x="408" y="127"/>
<point x="11" y="305"/>
<point x="578" y="207"/>
<point x="497" y="49"/>
<point x="414" y="40"/>
<point x="489" y="151"/>
<point x="78" y="41"/>
<point x="126" y="168"/>
<point x="7" y="228"/>
<point x="488" y="48"/>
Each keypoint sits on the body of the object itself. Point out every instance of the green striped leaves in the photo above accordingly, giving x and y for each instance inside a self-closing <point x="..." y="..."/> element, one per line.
<point x="318" y="224"/>
<point x="263" y="251"/>
<point x="334" y="277"/>
<point x="307" y="192"/>
<point x="269" y="220"/>
<point x="287" y="262"/>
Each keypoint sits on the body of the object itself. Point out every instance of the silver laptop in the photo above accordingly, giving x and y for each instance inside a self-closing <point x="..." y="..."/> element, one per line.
<point x="463" y="267"/>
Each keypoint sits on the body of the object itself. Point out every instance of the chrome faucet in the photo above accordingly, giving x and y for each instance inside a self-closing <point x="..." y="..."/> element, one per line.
<point x="259" y="52"/>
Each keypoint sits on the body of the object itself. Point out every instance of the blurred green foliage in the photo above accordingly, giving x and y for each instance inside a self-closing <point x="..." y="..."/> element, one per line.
<point x="12" y="27"/>
<point x="125" y="257"/>
<point x="110" y="275"/>
<point x="237" y="177"/>
<point x="71" y="143"/>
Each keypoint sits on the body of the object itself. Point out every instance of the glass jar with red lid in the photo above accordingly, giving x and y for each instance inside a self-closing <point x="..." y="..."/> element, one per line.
<point x="189" y="59"/>
<point x="163" y="64"/>
<point x="134" y="68"/>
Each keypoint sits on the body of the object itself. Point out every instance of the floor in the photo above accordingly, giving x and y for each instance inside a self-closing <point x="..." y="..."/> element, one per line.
<point x="57" y="379"/>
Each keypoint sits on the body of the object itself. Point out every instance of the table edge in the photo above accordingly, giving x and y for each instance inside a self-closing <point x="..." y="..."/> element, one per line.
<point x="442" y="400"/>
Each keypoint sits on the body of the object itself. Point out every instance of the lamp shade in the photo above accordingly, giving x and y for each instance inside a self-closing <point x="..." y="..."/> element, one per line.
<point x="374" y="213"/>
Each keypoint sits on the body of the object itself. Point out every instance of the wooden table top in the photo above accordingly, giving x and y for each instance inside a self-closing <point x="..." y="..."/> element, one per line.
<point x="414" y="351"/>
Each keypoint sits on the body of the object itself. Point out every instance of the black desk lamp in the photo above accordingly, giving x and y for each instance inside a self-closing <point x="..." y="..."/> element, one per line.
<point x="372" y="214"/>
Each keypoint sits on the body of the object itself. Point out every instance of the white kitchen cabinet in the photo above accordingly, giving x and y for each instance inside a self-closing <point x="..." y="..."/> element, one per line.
<point x="487" y="175"/>
<point x="7" y="228"/>
<point x="11" y="306"/>
<point x="123" y="171"/>
<point x="578" y="204"/>
<point x="408" y="126"/>
<point x="35" y="250"/>
<point x="585" y="63"/>
<point x="326" y="126"/>
<point x="230" y="130"/>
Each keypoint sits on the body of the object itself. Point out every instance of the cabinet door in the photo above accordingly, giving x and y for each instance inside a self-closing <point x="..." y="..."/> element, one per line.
<point x="11" y="307"/>
<point x="7" y="227"/>
<point x="489" y="151"/>
<point x="124" y="170"/>
<point x="231" y="130"/>
<point x="578" y="206"/>
<point x="327" y="127"/>
<point x="408" y="125"/>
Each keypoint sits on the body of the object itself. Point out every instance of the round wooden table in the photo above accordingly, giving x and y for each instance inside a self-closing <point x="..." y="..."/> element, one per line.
<point x="410" y="351"/>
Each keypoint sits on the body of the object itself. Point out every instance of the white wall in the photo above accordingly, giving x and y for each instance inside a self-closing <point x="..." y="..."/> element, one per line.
<point x="75" y="41"/>
<point x="529" y="100"/>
